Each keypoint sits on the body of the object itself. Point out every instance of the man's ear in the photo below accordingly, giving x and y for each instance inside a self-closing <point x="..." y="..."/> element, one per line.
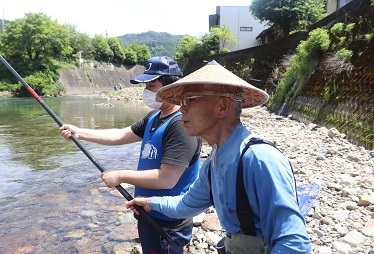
<point x="225" y="106"/>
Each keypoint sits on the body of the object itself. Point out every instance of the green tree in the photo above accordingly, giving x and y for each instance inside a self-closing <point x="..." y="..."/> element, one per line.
<point x="118" y="50"/>
<point x="285" y="14"/>
<point x="209" y="44"/>
<point x="142" y="53"/>
<point x="212" y="43"/>
<point x="130" y="57"/>
<point x="101" y="49"/>
<point x="309" y="12"/>
<point x="36" y="37"/>
<point x="187" y="47"/>
<point x="223" y="36"/>
<point x="80" y="42"/>
<point x="32" y="45"/>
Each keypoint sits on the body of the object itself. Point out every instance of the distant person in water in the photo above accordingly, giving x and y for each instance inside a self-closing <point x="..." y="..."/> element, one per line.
<point x="168" y="161"/>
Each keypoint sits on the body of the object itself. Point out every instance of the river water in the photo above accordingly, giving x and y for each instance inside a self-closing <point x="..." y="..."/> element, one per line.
<point x="52" y="199"/>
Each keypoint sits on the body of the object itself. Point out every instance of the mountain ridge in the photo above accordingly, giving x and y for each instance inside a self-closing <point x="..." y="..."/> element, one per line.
<point x="159" y="43"/>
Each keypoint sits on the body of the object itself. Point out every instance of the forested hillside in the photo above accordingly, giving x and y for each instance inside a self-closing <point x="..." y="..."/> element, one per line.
<point x="159" y="43"/>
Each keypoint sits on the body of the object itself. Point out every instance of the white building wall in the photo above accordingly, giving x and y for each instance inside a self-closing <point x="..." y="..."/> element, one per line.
<point x="331" y="6"/>
<point x="334" y="5"/>
<point x="236" y="17"/>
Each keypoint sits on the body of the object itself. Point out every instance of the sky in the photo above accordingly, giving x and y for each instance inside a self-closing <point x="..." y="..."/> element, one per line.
<point x="118" y="17"/>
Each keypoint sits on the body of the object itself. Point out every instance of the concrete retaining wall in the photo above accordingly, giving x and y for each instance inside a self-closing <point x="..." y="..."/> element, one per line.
<point x="81" y="81"/>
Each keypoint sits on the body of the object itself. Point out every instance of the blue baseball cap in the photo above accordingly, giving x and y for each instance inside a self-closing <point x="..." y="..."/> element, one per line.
<point x="156" y="67"/>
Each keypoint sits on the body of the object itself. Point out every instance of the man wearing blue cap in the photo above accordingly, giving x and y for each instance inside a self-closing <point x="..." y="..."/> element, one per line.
<point x="168" y="161"/>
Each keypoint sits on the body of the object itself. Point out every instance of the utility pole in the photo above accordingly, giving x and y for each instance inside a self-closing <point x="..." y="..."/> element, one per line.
<point x="3" y="23"/>
<point x="80" y="59"/>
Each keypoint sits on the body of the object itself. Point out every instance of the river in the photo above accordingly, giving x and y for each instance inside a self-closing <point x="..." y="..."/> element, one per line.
<point x="51" y="196"/>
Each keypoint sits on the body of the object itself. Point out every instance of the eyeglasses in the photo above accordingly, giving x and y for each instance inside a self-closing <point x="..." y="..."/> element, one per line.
<point x="185" y="100"/>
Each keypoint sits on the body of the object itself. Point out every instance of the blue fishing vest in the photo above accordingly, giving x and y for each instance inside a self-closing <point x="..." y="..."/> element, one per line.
<point x="150" y="158"/>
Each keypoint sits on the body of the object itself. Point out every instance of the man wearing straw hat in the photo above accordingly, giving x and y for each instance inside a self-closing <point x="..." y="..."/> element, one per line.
<point x="211" y="100"/>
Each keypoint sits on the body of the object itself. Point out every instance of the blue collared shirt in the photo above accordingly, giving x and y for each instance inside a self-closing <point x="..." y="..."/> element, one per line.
<point x="270" y="188"/>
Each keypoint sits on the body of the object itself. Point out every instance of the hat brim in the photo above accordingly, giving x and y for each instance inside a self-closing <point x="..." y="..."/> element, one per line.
<point x="144" y="78"/>
<point x="252" y="97"/>
<point x="217" y="80"/>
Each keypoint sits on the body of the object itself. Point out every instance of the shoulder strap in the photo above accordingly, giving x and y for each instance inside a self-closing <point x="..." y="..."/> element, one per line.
<point x="210" y="185"/>
<point x="252" y="141"/>
<point x="243" y="210"/>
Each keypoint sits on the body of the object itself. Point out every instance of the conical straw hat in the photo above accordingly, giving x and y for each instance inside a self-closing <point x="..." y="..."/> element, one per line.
<point x="213" y="79"/>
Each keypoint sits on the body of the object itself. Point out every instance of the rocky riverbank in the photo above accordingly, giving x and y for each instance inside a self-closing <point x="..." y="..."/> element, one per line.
<point x="134" y="93"/>
<point x="5" y="94"/>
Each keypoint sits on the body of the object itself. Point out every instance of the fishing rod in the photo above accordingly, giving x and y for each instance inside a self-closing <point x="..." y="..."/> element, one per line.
<point x="143" y="214"/>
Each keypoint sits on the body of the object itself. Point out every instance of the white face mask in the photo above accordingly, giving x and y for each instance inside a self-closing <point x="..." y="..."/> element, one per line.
<point x="149" y="98"/>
